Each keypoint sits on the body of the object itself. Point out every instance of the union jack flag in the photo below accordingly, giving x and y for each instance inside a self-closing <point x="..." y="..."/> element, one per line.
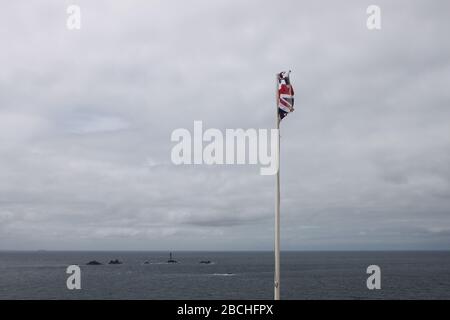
<point x="285" y="94"/>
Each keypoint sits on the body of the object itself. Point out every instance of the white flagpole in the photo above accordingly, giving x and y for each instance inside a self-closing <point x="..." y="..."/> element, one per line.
<point x="277" y="206"/>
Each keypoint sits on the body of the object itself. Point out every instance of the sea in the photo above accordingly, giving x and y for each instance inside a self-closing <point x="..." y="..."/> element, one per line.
<point x="230" y="275"/>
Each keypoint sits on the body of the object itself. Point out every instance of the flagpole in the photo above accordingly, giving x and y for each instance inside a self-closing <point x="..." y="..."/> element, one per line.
<point x="277" y="206"/>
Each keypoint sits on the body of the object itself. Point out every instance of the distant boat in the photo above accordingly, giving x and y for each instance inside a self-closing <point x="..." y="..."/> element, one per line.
<point x="115" y="262"/>
<point x="93" y="263"/>
<point x="205" y="262"/>
<point x="171" y="260"/>
<point x="146" y="262"/>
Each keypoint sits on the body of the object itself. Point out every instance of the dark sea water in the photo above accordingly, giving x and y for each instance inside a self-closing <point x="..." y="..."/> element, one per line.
<point x="232" y="275"/>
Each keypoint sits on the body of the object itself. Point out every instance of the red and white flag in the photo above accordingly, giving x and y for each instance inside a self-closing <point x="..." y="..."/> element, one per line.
<point x="285" y="94"/>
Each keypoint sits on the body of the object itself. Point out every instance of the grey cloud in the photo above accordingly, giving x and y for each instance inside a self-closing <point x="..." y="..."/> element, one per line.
<point x="86" y="118"/>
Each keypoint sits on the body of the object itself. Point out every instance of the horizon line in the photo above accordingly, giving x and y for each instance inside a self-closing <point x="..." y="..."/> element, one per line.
<point x="236" y="250"/>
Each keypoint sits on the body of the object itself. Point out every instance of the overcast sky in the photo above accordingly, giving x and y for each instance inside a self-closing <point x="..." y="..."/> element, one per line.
<point x="86" y="118"/>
